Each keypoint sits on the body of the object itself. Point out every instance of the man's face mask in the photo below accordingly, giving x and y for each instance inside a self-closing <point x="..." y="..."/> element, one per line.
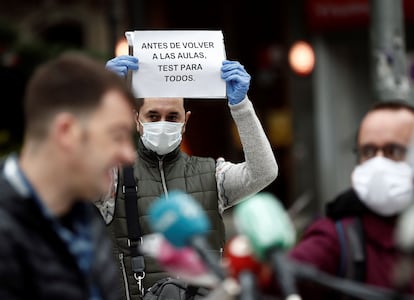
<point x="383" y="185"/>
<point x="161" y="137"/>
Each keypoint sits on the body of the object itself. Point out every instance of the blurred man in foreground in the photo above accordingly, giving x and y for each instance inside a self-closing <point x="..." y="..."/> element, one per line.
<point x="53" y="243"/>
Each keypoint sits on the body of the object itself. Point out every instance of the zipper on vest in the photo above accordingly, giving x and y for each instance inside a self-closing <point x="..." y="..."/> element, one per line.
<point x="164" y="184"/>
<point x="124" y="275"/>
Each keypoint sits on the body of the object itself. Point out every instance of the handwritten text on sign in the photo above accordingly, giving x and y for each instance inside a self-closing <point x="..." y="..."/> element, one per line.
<point x="178" y="63"/>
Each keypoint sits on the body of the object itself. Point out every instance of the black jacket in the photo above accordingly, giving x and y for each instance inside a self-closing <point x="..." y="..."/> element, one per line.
<point x="36" y="264"/>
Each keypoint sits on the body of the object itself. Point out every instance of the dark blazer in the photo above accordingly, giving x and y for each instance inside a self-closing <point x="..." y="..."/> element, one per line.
<point x="36" y="264"/>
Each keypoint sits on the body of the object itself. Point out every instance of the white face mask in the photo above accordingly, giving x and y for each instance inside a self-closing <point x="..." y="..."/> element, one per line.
<point x="383" y="185"/>
<point x="162" y="137"/>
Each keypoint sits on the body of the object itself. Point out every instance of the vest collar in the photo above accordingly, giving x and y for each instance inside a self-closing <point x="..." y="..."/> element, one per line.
<point x="153" y="157"/>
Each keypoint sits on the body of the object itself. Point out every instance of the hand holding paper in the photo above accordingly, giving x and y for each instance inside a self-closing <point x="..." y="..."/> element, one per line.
<point x="237" y="81"/>
<point x="178" y="63"/>
<point x="121" y="64"/>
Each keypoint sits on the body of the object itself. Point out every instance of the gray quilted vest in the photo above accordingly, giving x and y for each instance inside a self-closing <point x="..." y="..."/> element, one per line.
<point x="176" y="170"/>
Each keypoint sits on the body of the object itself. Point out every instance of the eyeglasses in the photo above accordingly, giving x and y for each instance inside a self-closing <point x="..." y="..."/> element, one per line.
<point x="392" y="151"/>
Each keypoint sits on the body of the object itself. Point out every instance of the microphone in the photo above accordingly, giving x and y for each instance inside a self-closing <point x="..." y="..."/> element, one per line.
<point x="270" y="231"/>
<point x="229" y="289"/>
<point x="183" y="222"/>
<point x="404" y="232"/>
<point x="184" y="262"/>
<point x="404" y="238"/>
<point x="250" y="273"/>
<point x="267" y="226"/>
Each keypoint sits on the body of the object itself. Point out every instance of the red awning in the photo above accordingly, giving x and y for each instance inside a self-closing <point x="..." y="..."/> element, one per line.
<point x="333" y="15"/>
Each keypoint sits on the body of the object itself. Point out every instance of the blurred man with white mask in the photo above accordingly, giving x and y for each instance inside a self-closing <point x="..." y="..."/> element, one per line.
<point x="382" y="189"/>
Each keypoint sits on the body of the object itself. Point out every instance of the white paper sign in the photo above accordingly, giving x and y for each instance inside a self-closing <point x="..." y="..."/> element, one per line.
<point x="178" y="63"/>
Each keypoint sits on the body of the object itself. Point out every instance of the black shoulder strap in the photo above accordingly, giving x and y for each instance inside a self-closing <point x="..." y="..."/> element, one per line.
<point x="131" y="205"/>
<point x="133" y="227"/>
<point x="350" y="234"/>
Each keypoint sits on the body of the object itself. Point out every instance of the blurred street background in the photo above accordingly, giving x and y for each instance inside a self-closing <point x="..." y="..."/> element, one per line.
<point x="310" y="113"/>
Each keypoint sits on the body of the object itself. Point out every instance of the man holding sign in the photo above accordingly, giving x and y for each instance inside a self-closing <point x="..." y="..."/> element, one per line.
<point x="161" y="166"/>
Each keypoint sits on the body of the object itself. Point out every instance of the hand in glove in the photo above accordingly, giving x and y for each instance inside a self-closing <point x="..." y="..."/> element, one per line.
<point x="237" y="81"/>
<point x="121" y="64"/>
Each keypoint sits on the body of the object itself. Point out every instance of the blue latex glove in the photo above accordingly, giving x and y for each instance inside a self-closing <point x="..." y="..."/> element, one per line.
<point x="121" y="64"/>
<point x="237" y="81"/>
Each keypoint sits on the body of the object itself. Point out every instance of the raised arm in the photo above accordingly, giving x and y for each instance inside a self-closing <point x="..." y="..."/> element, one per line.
<point x="238" y="180"/>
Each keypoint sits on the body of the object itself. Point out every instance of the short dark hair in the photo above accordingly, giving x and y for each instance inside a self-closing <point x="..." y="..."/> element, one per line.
<point x="71" y="82"/>
<point x="392" y="105"/>
<point x="139" y="102"/>
<point x="385" y="105"/>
